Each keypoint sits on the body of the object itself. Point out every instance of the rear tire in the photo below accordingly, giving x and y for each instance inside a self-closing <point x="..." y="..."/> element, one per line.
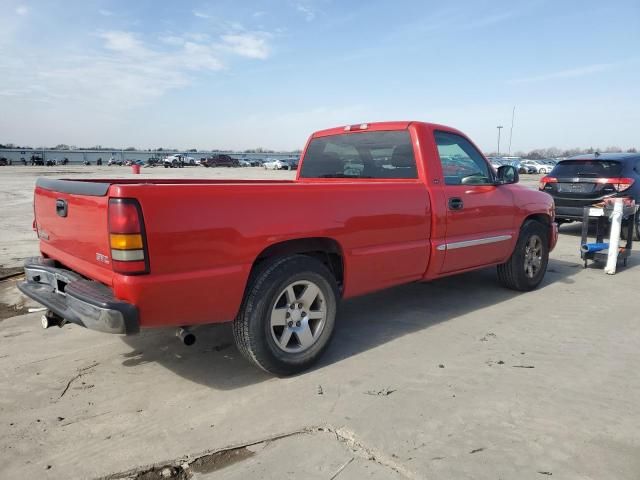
<point x="288" y="314"/>
<point x="527" y="265"/>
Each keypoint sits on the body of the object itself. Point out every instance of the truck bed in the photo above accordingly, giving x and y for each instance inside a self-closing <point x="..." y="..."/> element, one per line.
<point x="204" y="235"/>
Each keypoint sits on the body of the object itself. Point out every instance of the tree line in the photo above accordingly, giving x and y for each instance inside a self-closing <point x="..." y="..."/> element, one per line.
<point x="553" y="152"/>
<point x="536" y="154"/>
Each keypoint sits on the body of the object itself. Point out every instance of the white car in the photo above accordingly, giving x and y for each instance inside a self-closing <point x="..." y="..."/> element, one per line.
<point x="179" y="160"/>
<point x="540" y="167"/>
<point x="276" y="165"/>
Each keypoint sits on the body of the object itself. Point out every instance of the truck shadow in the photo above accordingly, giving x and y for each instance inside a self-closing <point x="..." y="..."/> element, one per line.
<point x="363" y="323"/>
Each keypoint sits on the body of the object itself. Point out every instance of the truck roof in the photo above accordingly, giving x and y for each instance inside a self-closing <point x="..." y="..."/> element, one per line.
<point x="377" y="126"/>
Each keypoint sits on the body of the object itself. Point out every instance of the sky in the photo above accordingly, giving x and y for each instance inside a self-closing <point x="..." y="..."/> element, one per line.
<point x="257" y="73"/>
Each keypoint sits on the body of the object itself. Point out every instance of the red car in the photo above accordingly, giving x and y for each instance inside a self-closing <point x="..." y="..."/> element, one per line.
<point x="220" y="161"/>
<point x="370" y="208"/>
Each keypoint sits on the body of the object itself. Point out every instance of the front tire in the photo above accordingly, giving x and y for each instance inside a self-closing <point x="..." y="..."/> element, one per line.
<point x="527" y="265"/>
<point x="288" y="314"/>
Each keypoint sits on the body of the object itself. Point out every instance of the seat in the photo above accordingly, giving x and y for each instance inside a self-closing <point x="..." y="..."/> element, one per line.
<point x="328" y="164"/>
<point x="404" y="163"/>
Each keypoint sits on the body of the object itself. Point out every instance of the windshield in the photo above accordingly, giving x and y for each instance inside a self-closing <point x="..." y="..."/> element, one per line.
<point x="588" y="168"/>
<point x="386" y="154"/>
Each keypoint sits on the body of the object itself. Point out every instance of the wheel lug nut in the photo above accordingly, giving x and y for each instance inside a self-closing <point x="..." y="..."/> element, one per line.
<point x="290" y="324"/>
<point x="303" y="314"/>
<point x="287" y="314"/>
<point x="297" y="324"/>
<point x="299" y="305"/>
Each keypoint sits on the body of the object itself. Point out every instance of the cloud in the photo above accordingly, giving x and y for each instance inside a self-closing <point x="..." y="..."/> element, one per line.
<point x="22" y="10"/>
<point x="248" y="45"/>
<point x="105" y="13"/>
<point x="200" y="14"/>
<point x="197" y="37"/>
<point x="125" y="42"/>
<point x="200" y="57"/>
<point x="125" y="70"/>
<point x="569" y="73"/>
<point x="307" y="10"/>
<point x="172" y="40"/>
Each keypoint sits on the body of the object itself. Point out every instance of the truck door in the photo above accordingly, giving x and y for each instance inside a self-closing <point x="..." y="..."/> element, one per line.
<point x="480" y="214"/>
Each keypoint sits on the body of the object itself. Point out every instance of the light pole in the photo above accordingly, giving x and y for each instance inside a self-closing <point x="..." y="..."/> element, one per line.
<point x="513" y="114"/>
<point x="499" y="127"/>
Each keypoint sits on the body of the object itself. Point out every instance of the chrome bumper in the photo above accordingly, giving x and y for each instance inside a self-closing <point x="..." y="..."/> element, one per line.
<point x="78" y="300"/>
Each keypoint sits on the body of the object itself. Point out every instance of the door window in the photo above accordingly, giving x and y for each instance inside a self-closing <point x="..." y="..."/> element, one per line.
<point x="462" y="163"/>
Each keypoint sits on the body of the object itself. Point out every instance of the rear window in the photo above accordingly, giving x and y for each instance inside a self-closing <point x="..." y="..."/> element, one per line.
<point x="588" y="168"/>
<point x="387" y="154"/>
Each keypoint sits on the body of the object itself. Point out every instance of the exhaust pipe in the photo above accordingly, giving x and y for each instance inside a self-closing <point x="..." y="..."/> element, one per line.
<point x="186" y="336"/>
<point x="50" y="319"/>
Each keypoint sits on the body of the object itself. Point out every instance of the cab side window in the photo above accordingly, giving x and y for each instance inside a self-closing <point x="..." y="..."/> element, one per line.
<point x="461" y="163"/>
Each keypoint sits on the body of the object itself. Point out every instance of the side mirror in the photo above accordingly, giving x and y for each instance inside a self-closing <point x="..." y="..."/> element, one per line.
<point x="508" y="174"/>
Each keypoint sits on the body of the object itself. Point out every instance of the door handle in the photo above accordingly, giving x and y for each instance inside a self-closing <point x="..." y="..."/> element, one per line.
<point x="455" y="203"/>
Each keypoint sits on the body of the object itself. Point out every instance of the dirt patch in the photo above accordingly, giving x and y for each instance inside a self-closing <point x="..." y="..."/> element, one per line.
<point x="219" y="460"/>
<point x="8" y="311"/>
<point x="205" y="464"/>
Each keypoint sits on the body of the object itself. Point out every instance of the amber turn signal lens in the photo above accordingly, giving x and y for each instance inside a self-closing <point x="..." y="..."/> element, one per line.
<point x="121" y="241"/>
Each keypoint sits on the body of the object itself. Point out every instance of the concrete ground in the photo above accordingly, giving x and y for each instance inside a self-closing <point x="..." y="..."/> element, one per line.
<point x="458" y="378"/>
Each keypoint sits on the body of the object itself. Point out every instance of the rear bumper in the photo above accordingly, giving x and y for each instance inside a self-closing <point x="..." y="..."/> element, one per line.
<point x="78" y="300"/>
<point x="570" y="213"/>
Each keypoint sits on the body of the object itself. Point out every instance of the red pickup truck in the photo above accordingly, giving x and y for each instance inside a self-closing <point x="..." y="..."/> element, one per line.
<point x="372" y="206"/>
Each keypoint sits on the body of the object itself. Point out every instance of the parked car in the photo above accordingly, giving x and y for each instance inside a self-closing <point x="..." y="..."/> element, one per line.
<point x="255" y="162"/>
<point x="37" y="160"/>
<point x="586" y="180"/>
<point x="293" y="163"/>
<point x="153" y="161"/>
<point x="523" y="168"/>
<point x="4" y="162"/>
<point x="131" y="256"/>
<point x="537" y="165"/>
<point x="179" y="160"/>
<point x="220" y="160"/>
<point x="496" y="163"/>
<point x="276" y="164"/>
<point x="244" y="163"/>
<point x="114" y="161"/>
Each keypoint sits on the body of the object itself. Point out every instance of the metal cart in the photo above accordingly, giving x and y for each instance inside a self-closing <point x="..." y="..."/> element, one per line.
<point x="602" y="222"/>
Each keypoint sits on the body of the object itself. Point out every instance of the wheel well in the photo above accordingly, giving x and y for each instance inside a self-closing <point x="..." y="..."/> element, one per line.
<point x="326" y="250"/>
<point x="539" y="217"/>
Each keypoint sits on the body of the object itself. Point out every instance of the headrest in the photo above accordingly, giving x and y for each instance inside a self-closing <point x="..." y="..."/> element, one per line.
<point x="403" y="156"/>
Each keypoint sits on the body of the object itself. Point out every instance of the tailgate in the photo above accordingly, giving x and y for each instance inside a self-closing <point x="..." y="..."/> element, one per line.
<point x="71" y="221"/>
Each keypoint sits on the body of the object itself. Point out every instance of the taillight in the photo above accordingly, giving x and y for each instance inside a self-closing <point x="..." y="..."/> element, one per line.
<point x="127" y="239"/>
<point x="619" y="184"/>
<point x="545" y="180"/>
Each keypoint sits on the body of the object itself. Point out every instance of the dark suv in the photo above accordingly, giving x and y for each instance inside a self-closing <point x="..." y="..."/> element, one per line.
<point x="586" y="180"/>
<point x="220" y="161"/>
